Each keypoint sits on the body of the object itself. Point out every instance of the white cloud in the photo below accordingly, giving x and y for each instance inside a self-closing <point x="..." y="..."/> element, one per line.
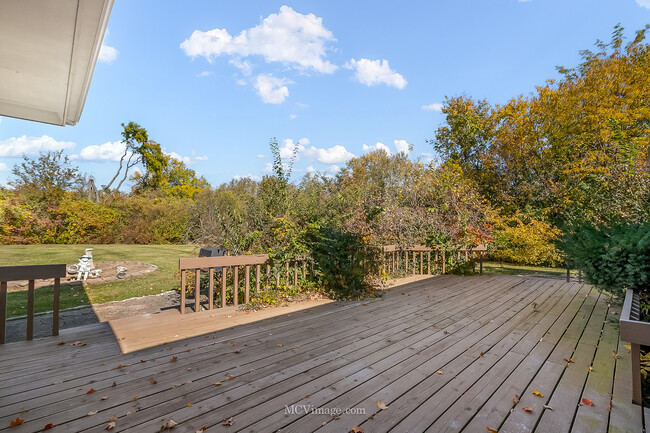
<point x="292" y="116"/>
<point x="288" y="147"/>
<point x="427" y="157"/>
<point x="377" y="146"/>
<point x="402" y="146"/>
<point x="107" y="53"/>
<point x="287" y="37"/>
<point x="204" y="74"/>
<point x="109" y="151"/>
<point x="243" y="65"/>
<point x="268" y="167"/>
<point x="24" y="145"/>
<point x="310" y="169"/>
<point x="3" y="167"/>
<point x="333" y="155"/>
<point x="260" y="156"/>
<point x="436" y="106"/>
<point x="374" y="72"/>
<point x="241" y="82"/>
<point x="643" y="3"/>
<point x="333" y="169"/>
<point x="249" y="176"/>
<point x="271" y="89"/>
<point x="176" y="156"/>
<point x="201" y="158"/>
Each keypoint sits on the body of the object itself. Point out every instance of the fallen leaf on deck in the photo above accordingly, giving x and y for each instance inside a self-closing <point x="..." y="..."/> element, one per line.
<point x="537" y="393"/>
<point x="113" y="418"/>
<point x="439" y="372"/>
<point x="491" y="430"/>
<point x="92" y="412"/>
<point x="131" y="412"/>
<point x="204" y="428"/>
<point x="48" y="427"/>
<point x="482" y="355"/>
<point x="615" y="354"/>
<point x="75" y="343"/>
<point x="515" y="400"/>
<point x="161" y="371"/>
<point x="143" y="360"/>
<point x="381" y="405"/>
<point x="627" y="346"/>
<point x="169" y="348"/>
<point x="587" y="402"/>
<point x="280" y="345"/>
<point x="189" y="404"/>
<point x="218" y="384"/>
<point x="61" y="343"/>
<point x="545" y="406"/>
<point x="591" y="368"/>
<point x="134" y="399"/>
<point x="91" y="390"/>
<point x="526" y="409"/>
<point x="168" y="426"/>
<point x="110" y="426"/>
<point x="114" y="384"/>
<point x="154" y="381"/>
<point x="237" y="351"/>
<point x="569" y="360"/>
<point x="105" y="397"/>
<point x="18" y="421"/>
<point x="609" y="406"/>
<point x="308" y="395"/>
<point x="57" y="382"/>
<point x="228" y="422"/>
<point x="174" y="359"/>
<point x="229" y="377"/>
<point x="356" y="429"/>
<point x="188" y="350"/>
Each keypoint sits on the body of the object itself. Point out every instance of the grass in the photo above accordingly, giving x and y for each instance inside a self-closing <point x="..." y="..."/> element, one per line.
<point x="164" y="279"/>
<point x="512" y="269"/>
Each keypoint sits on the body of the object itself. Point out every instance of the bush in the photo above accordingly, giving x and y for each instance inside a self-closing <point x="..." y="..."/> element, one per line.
<point x="614" y="258"/>
<point x="526" y="241"/>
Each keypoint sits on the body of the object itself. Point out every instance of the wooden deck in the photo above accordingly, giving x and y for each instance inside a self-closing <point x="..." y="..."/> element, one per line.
<point x="444" y="354"/>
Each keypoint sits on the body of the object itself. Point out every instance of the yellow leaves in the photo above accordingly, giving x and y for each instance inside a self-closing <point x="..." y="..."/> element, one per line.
<point x="439" y="372"/>
<point x="218" y="384"/>
<point x="15" y="423"/>
<point x="569" y="361"/>
<point x="381" y="405"/>
<point x="537" y="393"/>
<point x="492" y="430"/>
<point x="169" y="425"/>
<point x="174" y="359"/>
<point x="90" y="391"/>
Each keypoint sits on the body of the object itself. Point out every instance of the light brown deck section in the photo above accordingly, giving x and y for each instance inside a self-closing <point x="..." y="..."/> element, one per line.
<point x="445" y="354"/>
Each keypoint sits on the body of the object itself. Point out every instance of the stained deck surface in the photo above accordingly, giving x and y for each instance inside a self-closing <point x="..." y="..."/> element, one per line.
<point x="444" y="354"/>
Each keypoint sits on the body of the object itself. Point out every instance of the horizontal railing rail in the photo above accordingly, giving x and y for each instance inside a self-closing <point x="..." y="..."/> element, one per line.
<point x="30" y="274"/>
<point x="637" y="333"/>
<point x="232" y="266"/>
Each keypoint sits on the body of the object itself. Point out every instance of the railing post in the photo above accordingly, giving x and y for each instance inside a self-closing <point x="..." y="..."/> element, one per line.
<point x="257" y="278"/>
<point x="211" y="288"/>
<point x="56" y="306"/>
<point x="224" y="277"/>
<point x="183" y="291"/>
<point x="568" y="272"/>
<point x="636" y="373"/>
<point x="481" y="262"/>
<point x="444" y="262"/>
<point x="235" y="288"/>
<point x="3" y="312"/>
<point x="197" y="290"/>
<point x="30" y="310"/>
<point x="247" y="280"/>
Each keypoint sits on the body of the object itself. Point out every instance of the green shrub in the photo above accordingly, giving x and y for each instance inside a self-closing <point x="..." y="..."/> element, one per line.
<point x="614" y="258"/>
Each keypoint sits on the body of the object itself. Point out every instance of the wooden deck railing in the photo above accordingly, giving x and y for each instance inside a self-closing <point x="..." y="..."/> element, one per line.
<point x="30" y="274"/>
<point x="233" y="266"/>
<point x="417" y="259"/>
<point x="637" y="333"/>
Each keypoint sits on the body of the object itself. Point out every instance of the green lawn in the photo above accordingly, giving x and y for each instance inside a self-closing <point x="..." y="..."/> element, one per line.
<point x="512" y="269"/>
<point x="165" y="278"/>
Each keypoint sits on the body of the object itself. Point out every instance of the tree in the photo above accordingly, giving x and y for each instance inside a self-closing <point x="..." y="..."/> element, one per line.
<point x="47" y="177"/>
<point x="138" y="149"/>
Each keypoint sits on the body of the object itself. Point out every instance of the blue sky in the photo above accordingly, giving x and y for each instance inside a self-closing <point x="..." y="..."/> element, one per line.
<point x="212" y="81"/>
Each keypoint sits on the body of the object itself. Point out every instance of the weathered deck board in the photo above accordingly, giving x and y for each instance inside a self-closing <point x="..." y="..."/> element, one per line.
<point x="491" y="337"/>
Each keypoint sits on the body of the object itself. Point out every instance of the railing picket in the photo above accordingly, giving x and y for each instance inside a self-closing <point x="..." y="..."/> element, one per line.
<point x="197" y="291"/>
<point x="247" y="281"/>
<point x="56" y="306"/>
<point x="235" y="288"/>
<point x="183" y="291"/>
<point x="30" y="310"/>
<point x="211" y="288"/>
<point x="224" y="281"/>
<point x="295" y="273"/>
<point x="257" y="278"/>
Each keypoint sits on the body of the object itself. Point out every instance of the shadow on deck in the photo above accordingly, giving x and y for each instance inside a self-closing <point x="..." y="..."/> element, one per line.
<point x="444" y="354"/>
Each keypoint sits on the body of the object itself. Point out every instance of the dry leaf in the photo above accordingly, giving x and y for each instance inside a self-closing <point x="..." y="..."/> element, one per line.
<point x="381" y="405"/>
<point x="75" y="343"/>
<point x="228" y="422"/>
<point x="308" y="395"/>
<point x="91" y="390"/>
<point x="609" y="406"/>
<point x="18" y="421"/>
<point x="143" y="360"/>
<point x="615" y="354"/>
<point x="492" y="430"/>
<point x="189" y="404"/>
<point x="188" y="350"/>
<point x="356" y="429"/>
<point x="92" y="412"/>
<point x="237" y="351"/>
<point x="587" y="402"/>
<point x="204" y="428"/>
<point x="482" y="355"/>
<point x="105" y="397"/>
<point x="168" y="425"/>
<point x="280" y="345"/>
<point x="627" y="346"/>
<point x="439" y="372"/>
<point x="545" y="406"/>
<point x="526" y="409"/>
<point x="537" y="393"/>
<point x="591" y="368"/>
<point x="515" y="400"/>
<point x="154" y="381"/>
<point x="218" y="384"/>
<point x="230" y="377"/>
<point x="569" y="360"/>
<point x="61" y="343"/>
<point x="114" y="384"/>
<point x="131" y="412"/>
<point x="174" y="359"/>
<point x="48" y="427"/>
<point x="110" y="426"/>
<point x="113" y="418"/>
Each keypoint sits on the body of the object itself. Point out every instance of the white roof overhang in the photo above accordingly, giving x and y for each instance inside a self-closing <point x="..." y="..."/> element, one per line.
<point x="48" y="51"/>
